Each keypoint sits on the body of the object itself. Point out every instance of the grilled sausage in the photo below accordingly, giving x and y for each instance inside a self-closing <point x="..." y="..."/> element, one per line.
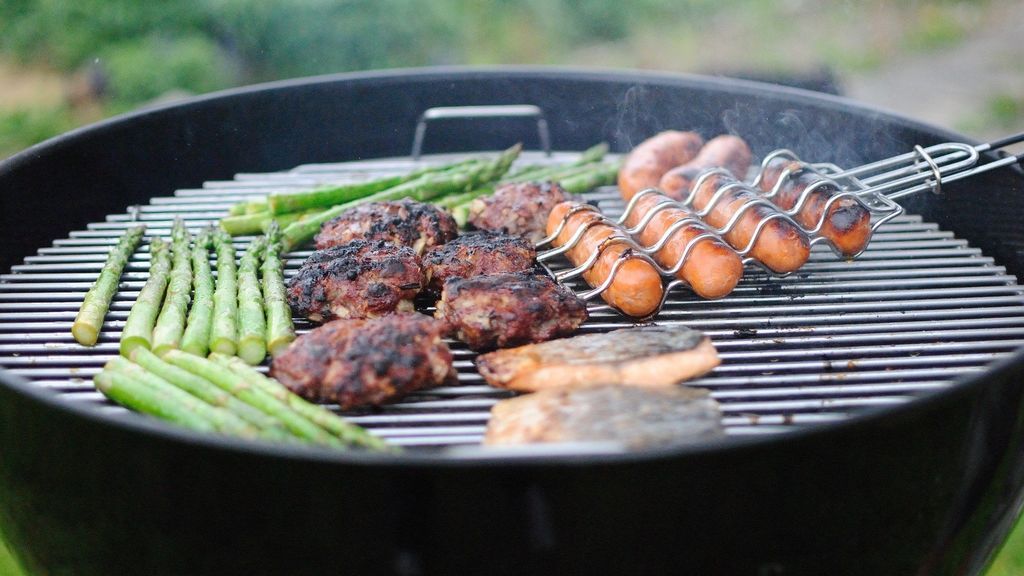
<point x="726" y="151"/>
<point x="712" y="269"/>
<point x="655" y="156"/>
<point x="636" y="289"/>
<point x="848" y="223"/>
<point x="781" y="245"/>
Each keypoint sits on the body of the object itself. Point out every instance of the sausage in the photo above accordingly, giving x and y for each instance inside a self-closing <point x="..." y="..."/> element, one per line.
<point x="712" y="269"/>
<point x="726" y="151"/>
<point x="645" y="165"/>
<point x="848" y="223"/>
<point x="781" y="245"/>
<point x="636" y="289"/>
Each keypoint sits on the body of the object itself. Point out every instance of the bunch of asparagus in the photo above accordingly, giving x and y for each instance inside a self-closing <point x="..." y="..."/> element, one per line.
<point x="453" y="186"/>
<point x="225" y="395"/>
<point x="162" y="370"/>
<point x="300" y="215"/>
<point x="244" y="314"/>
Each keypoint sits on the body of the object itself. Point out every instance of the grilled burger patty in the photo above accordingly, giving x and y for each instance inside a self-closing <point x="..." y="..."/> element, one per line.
<point x="361" y="279"/>
<point x="475" y="254"/>
<point x="518" y="208"/>
<point x="635" y="417"/>
<point x="403" y="222"/>
<point x="499" y="310"/>
<point x="366" y="362"/>
<point x="639" y="356"/>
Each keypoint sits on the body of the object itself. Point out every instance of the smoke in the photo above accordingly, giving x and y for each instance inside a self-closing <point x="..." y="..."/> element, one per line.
<point x="634" y="119"/>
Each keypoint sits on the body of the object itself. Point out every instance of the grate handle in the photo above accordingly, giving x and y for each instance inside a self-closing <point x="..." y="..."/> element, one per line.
<point x="468" y="112"/>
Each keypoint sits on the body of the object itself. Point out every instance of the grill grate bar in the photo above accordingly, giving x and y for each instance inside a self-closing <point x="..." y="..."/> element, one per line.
<point x="920" y="309"/>
<point x="97" y="251"/>
<point x="63" y="344"/>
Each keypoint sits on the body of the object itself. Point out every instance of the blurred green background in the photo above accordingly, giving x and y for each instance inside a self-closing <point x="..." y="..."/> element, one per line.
<point x="64" y="63"/>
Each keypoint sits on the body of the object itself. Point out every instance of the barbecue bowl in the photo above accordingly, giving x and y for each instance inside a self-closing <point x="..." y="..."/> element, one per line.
<point x="927" y="486"/>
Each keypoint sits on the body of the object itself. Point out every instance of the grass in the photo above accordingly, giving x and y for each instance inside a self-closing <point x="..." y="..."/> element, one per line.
<point x="1010" y="561"/>
<point x="7" y="565"/>
<point x="24" y="127"/>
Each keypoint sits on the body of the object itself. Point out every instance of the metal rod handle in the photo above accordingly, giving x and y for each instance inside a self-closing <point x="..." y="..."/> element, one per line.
<point x="468" y="112"/>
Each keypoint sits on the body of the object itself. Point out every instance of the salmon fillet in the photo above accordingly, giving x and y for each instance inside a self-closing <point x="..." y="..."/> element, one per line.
<point x="644" y="356"/>
<point x="634" y="417"/>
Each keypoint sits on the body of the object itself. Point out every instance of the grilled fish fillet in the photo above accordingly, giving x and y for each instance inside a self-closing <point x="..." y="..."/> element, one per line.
<point x="634" y="417"/>
<point x="644" y="356"/>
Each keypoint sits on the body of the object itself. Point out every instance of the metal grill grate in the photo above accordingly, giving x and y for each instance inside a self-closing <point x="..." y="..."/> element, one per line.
<point x="916" y="311"/>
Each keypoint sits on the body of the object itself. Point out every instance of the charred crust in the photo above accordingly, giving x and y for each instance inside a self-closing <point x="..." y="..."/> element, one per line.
<point x="499" y="310"/>
<point x="475" y="243"/>
<point x="366" y="362"/>
<point x="475" y="254"/>
<point x="364" y="277"/>
<point x="846" y="218"/>
<point x="403" y="222"/>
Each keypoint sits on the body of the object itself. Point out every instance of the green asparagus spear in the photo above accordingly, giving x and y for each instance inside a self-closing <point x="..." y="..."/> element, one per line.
<point x="248" y="207"/>
<point x="460" y="214"/>
<point x="245" y="224"/>
<point x="299" y="426"/>
<point x="224" y="332"/>
<point x="423" y="189"/>
<point x="251" y="224"/>
<point x="514" y="175"/>
<point x="196" y="339"/>
<point x="201" y="388"/>
<point x="349" y="433"/>
<point x="89" y="321"/>
<point x="285" y="219"/>
<point x="223" y="420"/>
<point x="252" y="324"/>
<point x="602" y="176"/>
<point x="280" y="329"/>
<point x="568" y="172"/>
<point x="256" y="206"/>
<point x="459" y="203"/>
<point x="327" y="197"/>
<point x="170" y="325"/>
<point x="464" y="198"/>
<point x="593" y="154"/>
<point x="138" y="329"/>
<point x="138" y="396"/>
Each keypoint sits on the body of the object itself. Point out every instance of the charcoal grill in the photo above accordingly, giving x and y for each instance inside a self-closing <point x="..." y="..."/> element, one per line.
<point x="872" y="407"/>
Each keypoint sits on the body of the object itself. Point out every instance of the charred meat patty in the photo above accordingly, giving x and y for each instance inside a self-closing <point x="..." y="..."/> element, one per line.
<point x="475" y="254"/>
<point x="366" y="362"/>
<point x="403" y="222"/>
<point x="518" y="208"/>
<point x="500" y="310"/>
<point x="361" y="279"/>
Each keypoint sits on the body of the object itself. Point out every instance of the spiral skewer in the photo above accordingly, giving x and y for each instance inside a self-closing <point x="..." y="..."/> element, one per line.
<point x="873" y="187"/>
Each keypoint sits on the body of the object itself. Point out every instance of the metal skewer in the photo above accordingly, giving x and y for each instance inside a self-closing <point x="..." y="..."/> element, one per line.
<point x="874" y="186"/>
